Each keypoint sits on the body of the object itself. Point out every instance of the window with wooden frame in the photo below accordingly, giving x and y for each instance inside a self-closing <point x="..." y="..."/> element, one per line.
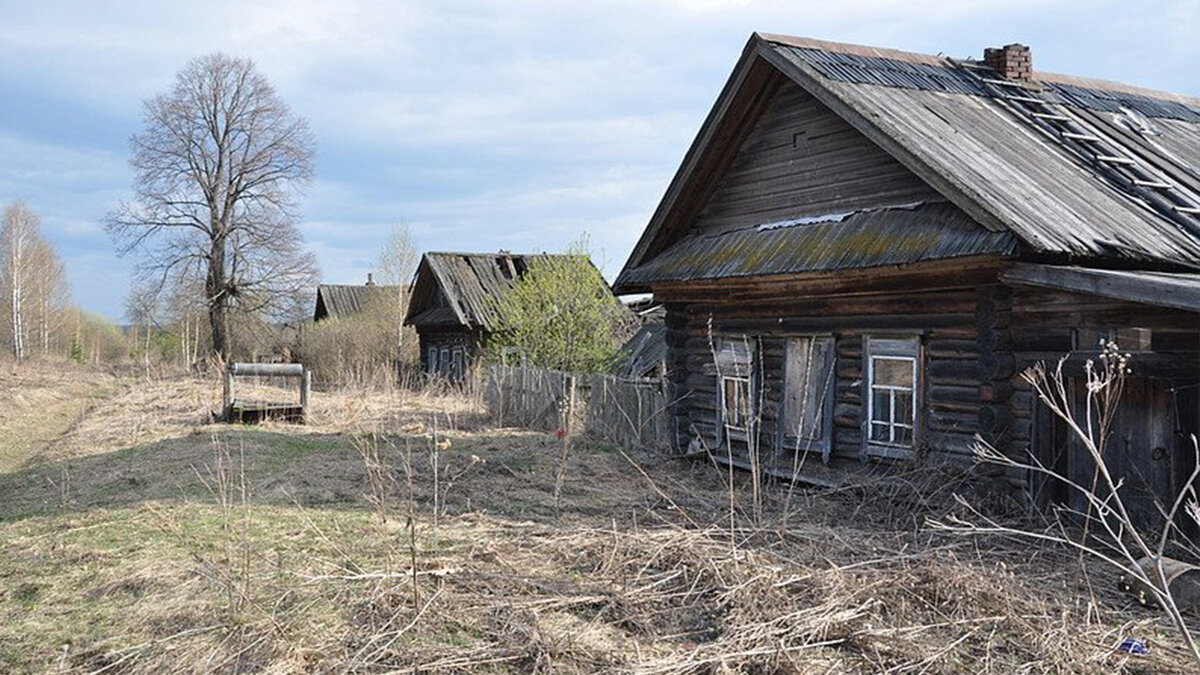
<point x="458" y="358"/>
<point x="808" y="382"/>
<point x="735" y="390"/>
<point x="444" y="362"/>
<point x="892" y="390"/>
<point x="431" y="360"/>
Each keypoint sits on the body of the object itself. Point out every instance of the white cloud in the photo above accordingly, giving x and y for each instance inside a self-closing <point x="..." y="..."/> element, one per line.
<point x="512" y="124"/>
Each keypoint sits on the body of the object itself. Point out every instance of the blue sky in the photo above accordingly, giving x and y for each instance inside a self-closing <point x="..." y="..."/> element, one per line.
<point x="515" y="124"/>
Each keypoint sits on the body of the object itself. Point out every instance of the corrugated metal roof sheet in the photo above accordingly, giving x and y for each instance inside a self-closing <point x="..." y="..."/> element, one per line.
<point x="878" y="237"/>
<point x="345" y="300"/>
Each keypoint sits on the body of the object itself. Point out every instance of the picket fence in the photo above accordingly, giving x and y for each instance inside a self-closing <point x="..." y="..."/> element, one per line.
<point x="631" y="412"/>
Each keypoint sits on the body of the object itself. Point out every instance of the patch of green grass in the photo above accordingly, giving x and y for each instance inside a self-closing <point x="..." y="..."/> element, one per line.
<point x="26" y="594"/>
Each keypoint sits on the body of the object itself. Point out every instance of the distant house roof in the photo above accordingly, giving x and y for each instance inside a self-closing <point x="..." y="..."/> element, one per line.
<point x="941" y="119"/>
<point x="462" y="289"/>
<point x="340" y="301"/>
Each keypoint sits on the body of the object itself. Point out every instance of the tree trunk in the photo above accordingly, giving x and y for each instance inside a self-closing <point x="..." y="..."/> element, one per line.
<point x="218" y="301"/>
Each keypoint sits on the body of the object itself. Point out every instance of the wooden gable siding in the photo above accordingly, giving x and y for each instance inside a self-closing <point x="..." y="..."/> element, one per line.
<point x="800" y="160"/>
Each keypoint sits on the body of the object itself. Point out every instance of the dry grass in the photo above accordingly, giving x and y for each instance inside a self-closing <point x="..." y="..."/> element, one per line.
<point x="140" y="568"/>
<point x="41" y="402"/>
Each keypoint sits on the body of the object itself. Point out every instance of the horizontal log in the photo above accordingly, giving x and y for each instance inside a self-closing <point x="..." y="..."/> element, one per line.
<point x="847" y="414"/>
<point x="267" y="369"/>
<point x="951" y="442"/>
<point x="944" y="371"/>
<point x="950" y="420"/>
<point x="950" y="395"/>
<point x="952" y="348"/>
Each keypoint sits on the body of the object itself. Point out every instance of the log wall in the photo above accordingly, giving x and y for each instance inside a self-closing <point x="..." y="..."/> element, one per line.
<point x="955" y="324"/>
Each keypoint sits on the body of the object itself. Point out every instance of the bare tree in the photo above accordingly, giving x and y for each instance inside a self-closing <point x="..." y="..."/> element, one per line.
<point x="397" y="265"/>
<point x="220" y="166"/>
<point x="48" y="296"/>
<point x="18" y="241"/>
<point x="143" y="306"/>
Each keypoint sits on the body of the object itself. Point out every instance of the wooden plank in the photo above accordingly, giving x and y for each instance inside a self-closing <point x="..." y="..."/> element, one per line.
<point x="267" y="370"/>
<point x="1181" y="292"/>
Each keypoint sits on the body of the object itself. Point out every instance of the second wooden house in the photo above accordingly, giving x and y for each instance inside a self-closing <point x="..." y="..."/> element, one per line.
<point x="455" y="304"/>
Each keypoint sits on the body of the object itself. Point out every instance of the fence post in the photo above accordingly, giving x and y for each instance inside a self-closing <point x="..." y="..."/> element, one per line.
<point x="569" y="382"/>
<point x="227" y="393"/>
<point x="305" y="387"/>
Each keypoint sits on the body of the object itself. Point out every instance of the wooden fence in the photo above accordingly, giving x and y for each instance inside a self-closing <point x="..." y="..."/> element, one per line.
<point x="631" y="412"/>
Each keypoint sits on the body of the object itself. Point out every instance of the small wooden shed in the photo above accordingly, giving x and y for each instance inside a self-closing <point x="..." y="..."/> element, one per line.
<point x="863" y="248"/>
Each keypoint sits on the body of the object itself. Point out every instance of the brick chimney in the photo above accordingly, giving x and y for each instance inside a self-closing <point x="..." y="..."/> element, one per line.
<point x="370" y="281"/>
<point x="1011" y="62"/>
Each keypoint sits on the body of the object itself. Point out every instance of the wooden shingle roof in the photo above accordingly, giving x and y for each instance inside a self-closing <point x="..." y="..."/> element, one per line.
<point x="933" y="115"/>
<point x="463" y="288"/>
<point x="339" y="301"/>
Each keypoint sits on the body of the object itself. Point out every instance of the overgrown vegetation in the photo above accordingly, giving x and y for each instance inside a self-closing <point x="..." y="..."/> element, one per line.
<point x="561" y="315"/>
<point x="358" y="350"/>
<point x="398" y="533"/>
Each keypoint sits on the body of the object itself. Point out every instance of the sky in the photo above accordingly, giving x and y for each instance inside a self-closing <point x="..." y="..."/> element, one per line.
<point x="515" y="124"/>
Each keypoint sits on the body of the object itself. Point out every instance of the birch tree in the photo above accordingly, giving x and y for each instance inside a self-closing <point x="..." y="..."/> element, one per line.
<point x="18" y="241"/>
<point x="219" y="168"/>
<point x="48" y="298"/>
<point x="397" y="265"/>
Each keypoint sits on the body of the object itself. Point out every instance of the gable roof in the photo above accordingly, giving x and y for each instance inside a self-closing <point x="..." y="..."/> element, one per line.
<point x="339" y="301"/>
<point x="934" y="116"/>
<point x="469" y="285"/>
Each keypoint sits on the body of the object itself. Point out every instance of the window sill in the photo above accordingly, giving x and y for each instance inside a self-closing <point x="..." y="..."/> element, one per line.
<point x="889" y="452"/>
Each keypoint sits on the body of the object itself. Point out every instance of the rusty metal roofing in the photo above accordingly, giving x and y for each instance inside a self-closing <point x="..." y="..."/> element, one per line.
<point x="339" y="301"/>
<point x="872" y="238"/>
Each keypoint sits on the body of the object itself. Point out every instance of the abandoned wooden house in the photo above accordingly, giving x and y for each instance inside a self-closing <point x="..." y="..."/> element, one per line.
<point x="455" y="305"/>
<point x="864" y="248"/>
<point x="342" y="301"/>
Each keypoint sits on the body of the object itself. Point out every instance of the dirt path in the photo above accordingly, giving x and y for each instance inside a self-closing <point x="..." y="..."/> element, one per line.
<point x="42" y="404"/>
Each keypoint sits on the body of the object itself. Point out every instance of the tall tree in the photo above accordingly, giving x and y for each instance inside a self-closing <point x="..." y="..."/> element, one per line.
<point x="397" y="265"/>
<point x="19" y="240"/>
<point x="220" y="166"/>
<point x="48" y="297"/>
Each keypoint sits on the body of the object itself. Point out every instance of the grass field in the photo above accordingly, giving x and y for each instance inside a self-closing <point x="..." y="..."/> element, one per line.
<point x="399" y="532"/>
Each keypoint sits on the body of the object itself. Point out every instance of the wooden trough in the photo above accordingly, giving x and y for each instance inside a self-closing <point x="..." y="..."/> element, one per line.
<point x="246" y="411"/>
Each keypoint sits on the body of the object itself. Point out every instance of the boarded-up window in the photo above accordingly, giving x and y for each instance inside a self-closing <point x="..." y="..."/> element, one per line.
<point x="892" y="393"/>
<point x="457" y="366"/>
<point x="735" y="358"/>
<point x="808" y="388"/>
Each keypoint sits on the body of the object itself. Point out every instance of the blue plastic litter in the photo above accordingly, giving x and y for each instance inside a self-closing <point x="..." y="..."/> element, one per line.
<point x="1132" y="646"/>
